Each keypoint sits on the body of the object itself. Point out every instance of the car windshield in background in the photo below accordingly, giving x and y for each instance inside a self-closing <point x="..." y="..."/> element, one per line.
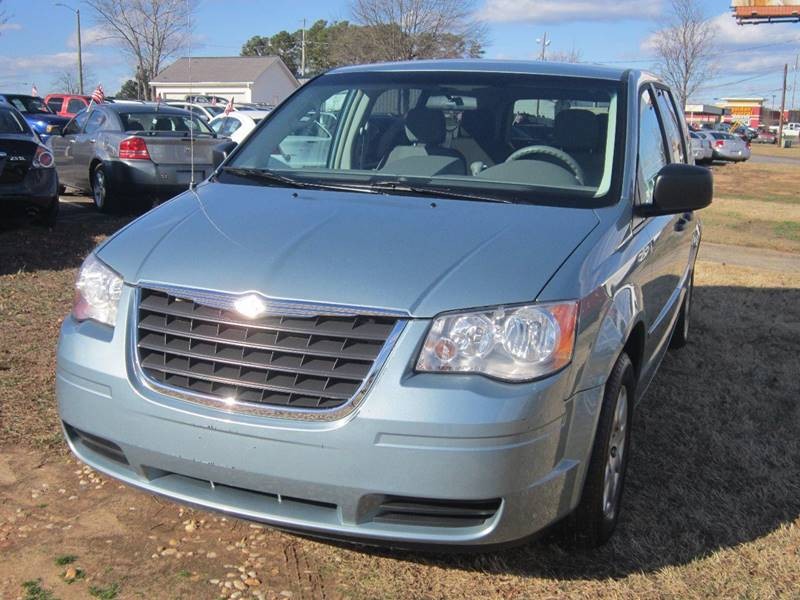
<point x="28" y="104"/>
<point x="162" y="122"/>
<point x="512" y="136"/>
<point x="11" y="123"/>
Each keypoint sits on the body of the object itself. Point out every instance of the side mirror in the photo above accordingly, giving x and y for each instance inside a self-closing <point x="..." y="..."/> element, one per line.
<point x="220" y="152"/>
<point x="680" y="188"/>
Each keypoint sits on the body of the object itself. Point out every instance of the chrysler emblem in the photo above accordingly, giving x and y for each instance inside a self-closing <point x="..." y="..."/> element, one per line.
<point x="250" y="306"/>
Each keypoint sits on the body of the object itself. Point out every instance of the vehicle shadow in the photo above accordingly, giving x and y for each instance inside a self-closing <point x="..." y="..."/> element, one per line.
<point x="716" y="458"/>
<point x="25" y="247"/>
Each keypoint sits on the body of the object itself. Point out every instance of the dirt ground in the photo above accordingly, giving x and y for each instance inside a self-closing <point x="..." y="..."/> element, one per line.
<point x="712" y="505"/>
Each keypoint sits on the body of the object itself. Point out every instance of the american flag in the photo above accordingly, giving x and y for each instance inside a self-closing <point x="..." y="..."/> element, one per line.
<point x="229" y="106"/>
<point x="34" y="91"/>
<point x="98" y="96"/>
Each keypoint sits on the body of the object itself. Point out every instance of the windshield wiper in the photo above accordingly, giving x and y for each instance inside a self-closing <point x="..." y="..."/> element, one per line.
<point x="273" y="177"/>
<point x="431" y="191"/>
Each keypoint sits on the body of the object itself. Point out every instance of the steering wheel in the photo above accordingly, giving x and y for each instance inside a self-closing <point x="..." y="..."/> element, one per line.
<point x="553" y="152"/>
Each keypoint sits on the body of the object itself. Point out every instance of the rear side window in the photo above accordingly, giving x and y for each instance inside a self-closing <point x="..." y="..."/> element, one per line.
<point x="76" y="125"/>
<point x="155" y="121"/>
<point x="672" y="127"/>
<point x="652" y="153"/>
<point x="11" y="123"/>
<point x="97" y="120"/>
<point x="75" y="105"/>
<point x="55" y="104"/>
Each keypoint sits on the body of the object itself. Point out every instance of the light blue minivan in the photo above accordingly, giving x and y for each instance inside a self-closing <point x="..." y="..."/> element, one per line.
<point x="436" y="335"/>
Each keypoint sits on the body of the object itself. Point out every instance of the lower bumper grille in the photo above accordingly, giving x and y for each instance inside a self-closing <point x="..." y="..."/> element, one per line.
<point x="310" y="363"/>
<point x="436" y="513"/>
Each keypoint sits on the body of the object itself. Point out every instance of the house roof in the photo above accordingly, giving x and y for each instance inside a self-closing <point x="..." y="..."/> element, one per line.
<point x="217" y="69"/>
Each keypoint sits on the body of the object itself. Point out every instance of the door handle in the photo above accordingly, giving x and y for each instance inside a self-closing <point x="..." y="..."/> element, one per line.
<point x="72" y="141"/>
<point x="91" y="141"/>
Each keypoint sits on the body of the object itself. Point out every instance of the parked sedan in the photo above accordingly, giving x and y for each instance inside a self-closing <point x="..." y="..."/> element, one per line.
<point x="38" y="115"/>
<point x="133" y="153"/>
<point x="386" y="341"/>
<point x="702" y="151"/>
<point x="28" y="179"/>
<point x="730" y="147"/>
<point x="766" y="136"/>
<point x="237" y="124"/>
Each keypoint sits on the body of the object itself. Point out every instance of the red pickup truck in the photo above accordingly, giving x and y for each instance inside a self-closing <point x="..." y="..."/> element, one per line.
<point x="67" y="105"/>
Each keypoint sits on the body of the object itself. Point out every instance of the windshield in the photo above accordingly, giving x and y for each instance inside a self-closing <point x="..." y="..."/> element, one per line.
<point x="162" y="122"/>
<point x="28" y="104"/>
<point x="514" y="136"/>
<point x="11" y="123"/>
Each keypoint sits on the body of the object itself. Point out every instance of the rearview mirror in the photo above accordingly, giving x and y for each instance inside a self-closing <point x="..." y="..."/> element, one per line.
<point x="220" y="152"/>
<point x="680" y="188"/>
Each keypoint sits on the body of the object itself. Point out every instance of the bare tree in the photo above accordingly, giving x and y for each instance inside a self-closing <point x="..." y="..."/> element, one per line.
<point x="412" y="29"/>
<point x="684" y="48"/>
<point x="67" y="82"/>
<point x="570" y="56"/>
<point x="150" y="31"/>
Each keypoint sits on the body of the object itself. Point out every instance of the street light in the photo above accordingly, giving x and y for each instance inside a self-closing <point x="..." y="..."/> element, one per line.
<point x="80" y="58"/>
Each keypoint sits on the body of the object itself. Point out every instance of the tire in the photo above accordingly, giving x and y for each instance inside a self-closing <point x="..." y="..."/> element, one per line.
<point x="597" y="514"/>
<point x="102" y="195"/>
<point x="49" y="216"/>
<point x="680" y="335"/>
<point x="62" y="189"/>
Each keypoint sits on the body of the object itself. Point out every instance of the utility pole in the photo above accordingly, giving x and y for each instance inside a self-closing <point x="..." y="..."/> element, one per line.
<point x="793" y="106"/>
<point x="783" y="106"/>
<point x="303" y="52"/>
<point x="80" y="57"/>
<point x="545" y="42"/>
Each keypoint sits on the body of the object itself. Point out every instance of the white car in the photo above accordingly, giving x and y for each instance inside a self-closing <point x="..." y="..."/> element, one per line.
<point x="237" y="124"/>
<point x="204" y="111"/>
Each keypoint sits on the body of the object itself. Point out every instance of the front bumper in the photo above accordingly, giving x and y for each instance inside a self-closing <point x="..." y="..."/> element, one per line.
<point x="446" y="439"/>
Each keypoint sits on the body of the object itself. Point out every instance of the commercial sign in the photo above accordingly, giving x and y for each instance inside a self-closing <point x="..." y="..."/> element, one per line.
<point x="766" y="11"/>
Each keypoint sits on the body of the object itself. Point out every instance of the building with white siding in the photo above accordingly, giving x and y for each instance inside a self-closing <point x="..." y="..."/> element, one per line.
<point x="243" y="78"/>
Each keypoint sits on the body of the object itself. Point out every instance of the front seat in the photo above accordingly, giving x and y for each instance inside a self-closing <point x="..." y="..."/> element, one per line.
<point x="577" y="132"/>
<point x="426" y="131"/>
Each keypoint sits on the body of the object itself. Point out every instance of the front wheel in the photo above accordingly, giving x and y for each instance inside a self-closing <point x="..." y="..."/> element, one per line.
<point x="104" y="200"/>
<point x="596" y="517"/>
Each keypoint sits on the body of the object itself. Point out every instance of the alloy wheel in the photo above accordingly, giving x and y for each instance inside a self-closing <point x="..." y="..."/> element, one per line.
<point x="615" y="461"/>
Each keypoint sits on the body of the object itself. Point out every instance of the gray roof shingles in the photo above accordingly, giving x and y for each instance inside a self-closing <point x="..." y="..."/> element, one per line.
<point x="222" y="69"/>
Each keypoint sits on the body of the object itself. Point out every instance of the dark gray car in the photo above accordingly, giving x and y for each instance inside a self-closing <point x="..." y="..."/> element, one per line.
<point x="131" y="153"/>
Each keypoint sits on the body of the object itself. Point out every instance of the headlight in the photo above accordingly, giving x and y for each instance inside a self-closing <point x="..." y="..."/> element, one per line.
<point x="515" y="343"/>
<point x="51" y="128"/>
<point x="97" y="292"/>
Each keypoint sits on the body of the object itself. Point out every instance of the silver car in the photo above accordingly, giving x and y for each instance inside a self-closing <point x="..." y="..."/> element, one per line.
<point x="729" y="147"/>
<point x="702" y="150"/>
<point x="434" y="334"/>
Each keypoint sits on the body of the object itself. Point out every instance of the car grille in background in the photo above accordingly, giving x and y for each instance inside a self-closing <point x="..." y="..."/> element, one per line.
<point x="309" y="363"/>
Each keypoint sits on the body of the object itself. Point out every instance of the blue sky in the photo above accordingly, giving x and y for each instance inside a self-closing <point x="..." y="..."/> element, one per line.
<point x="38" y="41"/>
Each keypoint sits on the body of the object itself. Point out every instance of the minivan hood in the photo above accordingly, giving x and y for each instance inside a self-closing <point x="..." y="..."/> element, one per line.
<point x="399" y="253"/>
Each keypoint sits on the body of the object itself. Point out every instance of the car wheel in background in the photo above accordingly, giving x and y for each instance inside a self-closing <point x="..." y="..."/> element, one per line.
<point x="101" y="191"/>
<point x="48" y="216"/>
<point x="681" y="333"/>
<point x="62" y="189"/>
<point x="596" y="516"/>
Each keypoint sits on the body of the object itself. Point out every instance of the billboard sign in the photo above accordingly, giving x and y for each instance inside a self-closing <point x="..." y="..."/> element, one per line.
<point x="765" y="11"/>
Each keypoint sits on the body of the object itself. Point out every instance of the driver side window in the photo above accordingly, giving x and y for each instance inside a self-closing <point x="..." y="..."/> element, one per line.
<point x="652" y="152"/>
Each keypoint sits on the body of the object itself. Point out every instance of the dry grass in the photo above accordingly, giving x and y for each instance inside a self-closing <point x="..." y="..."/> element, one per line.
<point x="755" y="205"/>
<point x="774" y="150"/>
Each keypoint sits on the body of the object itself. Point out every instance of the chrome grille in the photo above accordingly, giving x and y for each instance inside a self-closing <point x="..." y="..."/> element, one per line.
<point x="311" y="363"/>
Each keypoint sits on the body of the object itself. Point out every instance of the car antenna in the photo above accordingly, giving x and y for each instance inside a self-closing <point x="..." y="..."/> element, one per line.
<point x="191" y="92"/>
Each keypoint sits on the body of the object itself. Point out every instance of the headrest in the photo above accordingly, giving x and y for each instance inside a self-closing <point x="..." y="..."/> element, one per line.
<point x="477" y="123"/>
<point x="576" y="129"/>
<point x="425" y="125"/>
